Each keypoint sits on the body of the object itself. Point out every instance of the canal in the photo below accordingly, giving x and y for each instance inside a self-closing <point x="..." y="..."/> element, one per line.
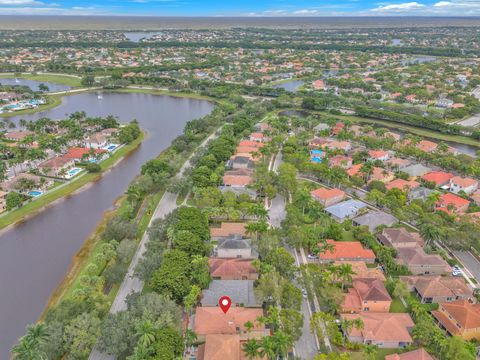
<point x="35" y="255"/>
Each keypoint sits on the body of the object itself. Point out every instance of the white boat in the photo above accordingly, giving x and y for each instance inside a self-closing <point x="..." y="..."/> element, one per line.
<point x="17" y="81"/>
<point x="100" y="97"/>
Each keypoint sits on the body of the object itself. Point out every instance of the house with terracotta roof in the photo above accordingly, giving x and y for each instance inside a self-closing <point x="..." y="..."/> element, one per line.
<point x="83" y="154"/>
<point x="476" y="197"/>
<point x="460" y="318"/>
<point x="361" y="270"/>
<point x="397" y="163"/>
<point x="338" y="145"/>
<point x="220" y="347"/>
<point x="385" y="330"/>
<point x="401" y="184"/>
<point x="367" y="295"/>
<point x="318" y="85"/>
<point x="378" y="155"/>
<point x="339" y="126"/>
<point x="257" y="136"/>
<point x="18" y="135"/>
<point x="380" y="174"/>
<point x="355" y="170"/>
<point x="419" y="354"/>
<point x="250" y="143"/>
<point x="318" y="142"/>
<point x="345" y="162"/>
<point x="400" y="238"/>
<point x="451" y="203"/>
<point x="238" y="178"/>
<point x="328" y="197"/>
<point x="440" y="178"/>
<point x="227" y="229"/>
<point x="232" y="269"/>
<point x="437" y="289"/>
<point x="421" y="263"/>
<point x="426" y="146"/>
<point x="55" y="166"/>
<point x="467" y="185"/>
<point x="347" y="251"/>
<point x="211" y="320"/>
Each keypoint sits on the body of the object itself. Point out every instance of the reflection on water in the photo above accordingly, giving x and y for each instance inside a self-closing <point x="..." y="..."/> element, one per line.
<point x="33" y="84"/>
<point x="35" y="255"/>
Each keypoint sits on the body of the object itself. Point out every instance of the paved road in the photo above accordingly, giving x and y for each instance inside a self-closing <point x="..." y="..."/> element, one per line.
<point x="470" y="262"/>
<point x="305" y="346"/>
<point x="131" y="283"/>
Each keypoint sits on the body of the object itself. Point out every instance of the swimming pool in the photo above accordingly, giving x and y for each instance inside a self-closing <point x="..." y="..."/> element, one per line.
<point x="72" y="172"/>
<point x="110" y="147"/>
<point x="35" y="193"/>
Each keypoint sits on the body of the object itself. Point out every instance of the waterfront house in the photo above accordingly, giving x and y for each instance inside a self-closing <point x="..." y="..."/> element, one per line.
<point x="385" y="330"/>
<point x="55" y="166"/>
<point x="367" y="295"/>
<point x="14" y="184"/>
<point x="460" y="318"/>
<point x="437" y="289"/>
<point x="346" y="251"/>
<point x="79" y="154"/>
<point x="96" y="141"/>
<point x="328" y="197"/>
<point x="18" y="135"/>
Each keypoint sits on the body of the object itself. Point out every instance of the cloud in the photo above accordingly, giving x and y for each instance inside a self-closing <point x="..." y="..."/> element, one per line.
<point x="306" y="12"/>
<point x="42" y="10"/>
<point x="20" y="2"/>
<point x="399" y="8"/>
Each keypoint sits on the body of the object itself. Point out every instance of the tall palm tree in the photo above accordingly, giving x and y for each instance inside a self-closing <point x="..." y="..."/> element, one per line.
<point x="430" y="232"/>
<point x="345" y="272"/>
<point x="282" y="343"/>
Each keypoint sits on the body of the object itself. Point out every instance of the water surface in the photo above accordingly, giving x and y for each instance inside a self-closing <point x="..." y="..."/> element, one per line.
<point x="35" y="255"/>
<point x="33" y="84"/>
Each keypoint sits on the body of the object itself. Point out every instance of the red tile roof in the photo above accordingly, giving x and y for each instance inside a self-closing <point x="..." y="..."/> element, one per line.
<point x="325" y="194"/>
<point x="402" y="184"/>
<point x="451" y="199"/>
<point x="78" y="152"/>
<point x="212" y="320"/>
<point x="463" y="182"/>
<point x="438" y="177"/>
<point x="231" y="268"/>
<point x="419" y="354"/>
<point x="347" y="250"/>
<point x="227" y="229"/>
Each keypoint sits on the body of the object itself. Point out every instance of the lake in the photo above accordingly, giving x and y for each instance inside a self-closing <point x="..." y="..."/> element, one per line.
<point x="137" y="36"/>
<point x="291" y="85"/>
<point x="33" y="84"/>
<point x="35" y="255"/>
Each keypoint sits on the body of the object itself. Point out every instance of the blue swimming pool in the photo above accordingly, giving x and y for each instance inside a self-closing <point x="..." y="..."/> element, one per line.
<point x="112" y="147"/>
<point x="73" y="172"/>
<point x="35" y="193"/>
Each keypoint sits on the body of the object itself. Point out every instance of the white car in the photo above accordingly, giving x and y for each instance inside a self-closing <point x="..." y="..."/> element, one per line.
<point x="304" y="293"/>
<point x="312" y="256"/>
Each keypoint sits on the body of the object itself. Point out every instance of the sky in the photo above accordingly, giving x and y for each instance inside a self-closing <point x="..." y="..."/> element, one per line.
<point x="254" y="8"/>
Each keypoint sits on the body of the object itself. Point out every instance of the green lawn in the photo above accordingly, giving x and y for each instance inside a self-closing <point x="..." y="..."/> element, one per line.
<point x="31" y="208"/>
<point x="380" y="355"/>
<point x="397" y="306"/>
<point x="67" y="80"/>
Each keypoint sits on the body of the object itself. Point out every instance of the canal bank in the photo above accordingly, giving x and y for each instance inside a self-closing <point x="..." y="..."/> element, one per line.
<point x="36" y="254"/>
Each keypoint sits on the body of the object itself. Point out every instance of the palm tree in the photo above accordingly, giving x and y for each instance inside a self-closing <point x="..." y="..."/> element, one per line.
<point x="145" y="331"/>
<point x="370" y="351"/>
<point x="282" y="342"/>
<point x="345" y="272"/>
<point x="251" y="349"/>
<point x="30" y="345"/>
<point x="267" y="348"/>
<point x="430" y="232"/>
